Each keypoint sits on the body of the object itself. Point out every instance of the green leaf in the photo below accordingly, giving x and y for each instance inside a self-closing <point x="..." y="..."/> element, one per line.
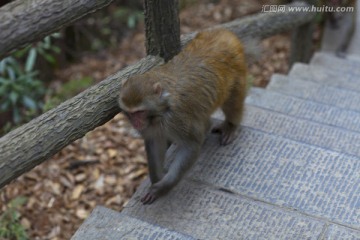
<point x="49" y="58"/>
<point x="56" y="35"/>
<point x="2" y="90"/>
<point x="30" y="61"/>
<point x="20" y="53"/>
<point x="29" y="103"/>
<point x="2" y="66"/>
<point x="46" y="42"/>
<point x="16" y="116"/>
<point x="3" y="81"/>
<point x="13" y="97"/>
<point x="11" y="73"/>
<point x="56" y="49"/>
<point x="131" y="21"/>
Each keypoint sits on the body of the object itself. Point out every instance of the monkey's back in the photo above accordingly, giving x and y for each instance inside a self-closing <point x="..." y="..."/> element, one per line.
<point x="205" y="71"/>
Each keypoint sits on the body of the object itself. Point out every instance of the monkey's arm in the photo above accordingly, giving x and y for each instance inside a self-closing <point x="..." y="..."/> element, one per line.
<point x="185" y="156"/>
<point x="155" y="151"/>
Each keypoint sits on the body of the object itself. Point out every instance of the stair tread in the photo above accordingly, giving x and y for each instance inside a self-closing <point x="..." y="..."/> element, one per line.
<point x="304" y="109"/>
<point x="108" y="224"/>
<point x="258" y="167"/>
<point x="330" y="95"/>
<point x="329" y="77"/>
<point x="331" y="61"/>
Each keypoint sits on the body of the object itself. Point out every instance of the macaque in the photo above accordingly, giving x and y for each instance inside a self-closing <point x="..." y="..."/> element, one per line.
<point x="174" y="102"/>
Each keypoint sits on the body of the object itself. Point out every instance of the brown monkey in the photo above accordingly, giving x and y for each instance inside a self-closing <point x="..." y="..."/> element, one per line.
<point x="174" y="102"/>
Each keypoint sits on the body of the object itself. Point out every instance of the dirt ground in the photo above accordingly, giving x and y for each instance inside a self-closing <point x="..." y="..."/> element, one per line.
<point x="106" y="165"/>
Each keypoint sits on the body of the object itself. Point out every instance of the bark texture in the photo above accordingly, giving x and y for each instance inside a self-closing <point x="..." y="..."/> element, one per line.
<point x="162" y="28"/>
<point x="26" y="21"/>
<point x="38" y="140"/>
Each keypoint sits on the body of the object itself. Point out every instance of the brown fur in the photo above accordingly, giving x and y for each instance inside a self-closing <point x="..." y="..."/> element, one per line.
<point x="181" y="95"/>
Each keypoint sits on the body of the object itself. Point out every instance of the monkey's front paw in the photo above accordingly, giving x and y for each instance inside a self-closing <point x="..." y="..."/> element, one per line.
<point x="155" y="191"/>
<point x="227" y="132"/>
<point x="152" y="195"/>
<point x="149" y="198"/>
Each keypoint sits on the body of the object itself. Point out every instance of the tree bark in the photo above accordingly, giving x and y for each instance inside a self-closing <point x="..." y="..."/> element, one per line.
<point x="38" y="140"/>
<point x="162" y="28"/>
<point x="26" y="21"/>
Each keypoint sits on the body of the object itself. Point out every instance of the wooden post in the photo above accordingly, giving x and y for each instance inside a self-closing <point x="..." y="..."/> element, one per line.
<point x="301" y="43"/>
<point x="162" y="28"/>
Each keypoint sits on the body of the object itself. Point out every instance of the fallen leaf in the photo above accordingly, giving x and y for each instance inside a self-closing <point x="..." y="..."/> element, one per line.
<point x="82" y="213"/>
<point x="77" y="192"/>
<point x="112" y="152"/>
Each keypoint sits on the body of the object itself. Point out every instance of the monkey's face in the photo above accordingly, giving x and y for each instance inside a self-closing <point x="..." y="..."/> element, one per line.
<point x="144" y="103"/>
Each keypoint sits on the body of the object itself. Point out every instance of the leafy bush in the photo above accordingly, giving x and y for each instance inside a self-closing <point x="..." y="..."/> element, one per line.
<point x="21" y="92"/>
<point x="10" y="226"/>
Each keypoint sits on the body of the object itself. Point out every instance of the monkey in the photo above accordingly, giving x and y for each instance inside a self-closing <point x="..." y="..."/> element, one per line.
<point x="174" y="102"/>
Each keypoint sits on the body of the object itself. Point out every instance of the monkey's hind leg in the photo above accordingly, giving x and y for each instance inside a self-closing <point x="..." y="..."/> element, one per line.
<point x="233" y="110"/>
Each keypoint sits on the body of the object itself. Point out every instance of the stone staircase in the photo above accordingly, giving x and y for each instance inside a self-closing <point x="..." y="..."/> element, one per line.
<point x="292" y="173"/>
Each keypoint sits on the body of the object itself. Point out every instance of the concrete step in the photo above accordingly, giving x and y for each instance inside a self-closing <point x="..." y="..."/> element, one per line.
<point x="317" y="134"/>
<point x="316" y="92"/>
<point x="262" y="186"/>
<point x="205" y="212"/>
<point x="250" y="187"/>
<point x="353" y="57"/>
<point x="263" y="221"/>
<point x="332" y="62"/>
<point x="107" y="224"/>
<point x="304" y="109"/>
<point x="346" y="80"/>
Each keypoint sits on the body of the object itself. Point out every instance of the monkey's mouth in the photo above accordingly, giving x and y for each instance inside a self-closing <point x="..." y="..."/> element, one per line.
<point x="138" y="119"/>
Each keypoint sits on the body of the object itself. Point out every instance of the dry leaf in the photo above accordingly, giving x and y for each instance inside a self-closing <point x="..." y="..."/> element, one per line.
<point x="112" y="152"/>
<point x="77" y="192"/>
<point x="80" y="177"/>
<point x="82" y="213"/>
<point x="110" y="180"/>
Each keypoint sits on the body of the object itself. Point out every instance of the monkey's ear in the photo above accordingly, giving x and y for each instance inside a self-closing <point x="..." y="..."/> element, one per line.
<point x="159" y="90"/>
